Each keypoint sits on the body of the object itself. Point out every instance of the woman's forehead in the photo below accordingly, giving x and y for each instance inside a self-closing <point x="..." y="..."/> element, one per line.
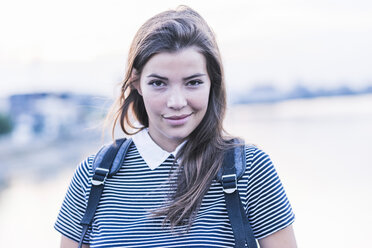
<point x="183" y="63"/>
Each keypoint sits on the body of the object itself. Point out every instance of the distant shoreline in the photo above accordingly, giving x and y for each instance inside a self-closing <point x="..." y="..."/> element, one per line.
<point x="270" y="94"/>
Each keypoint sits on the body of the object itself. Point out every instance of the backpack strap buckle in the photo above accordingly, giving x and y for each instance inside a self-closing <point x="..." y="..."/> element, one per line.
<point x="100" y="176"/>
<point x="229" y="183"/>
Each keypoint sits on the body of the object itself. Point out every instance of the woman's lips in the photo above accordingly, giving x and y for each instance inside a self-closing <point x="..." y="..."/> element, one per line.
<point x="177" y="120"/>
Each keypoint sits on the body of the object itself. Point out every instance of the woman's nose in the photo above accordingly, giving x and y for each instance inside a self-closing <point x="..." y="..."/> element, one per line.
<point x="176" y="99"/>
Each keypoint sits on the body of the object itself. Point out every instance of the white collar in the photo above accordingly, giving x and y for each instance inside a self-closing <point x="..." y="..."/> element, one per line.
<point x="151" y="152"/>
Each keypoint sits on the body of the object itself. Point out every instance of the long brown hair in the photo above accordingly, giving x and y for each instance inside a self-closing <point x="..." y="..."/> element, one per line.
<point x="202" y="154"/>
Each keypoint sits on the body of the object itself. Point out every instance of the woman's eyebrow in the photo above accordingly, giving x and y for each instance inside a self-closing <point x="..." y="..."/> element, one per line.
<point x="194" y="76"/>
<point x="185" y="78"/>
<point x="157" y="76"/>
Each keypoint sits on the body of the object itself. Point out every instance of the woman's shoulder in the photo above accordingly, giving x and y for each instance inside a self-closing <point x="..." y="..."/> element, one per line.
<point x="84" y="171"/>
<point x="86" y="164"/>
<point x="257" y="159"/>
<point x="253" y="152"/>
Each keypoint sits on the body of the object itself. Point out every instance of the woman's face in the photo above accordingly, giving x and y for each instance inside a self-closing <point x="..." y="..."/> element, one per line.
<point x="175" y="89"/>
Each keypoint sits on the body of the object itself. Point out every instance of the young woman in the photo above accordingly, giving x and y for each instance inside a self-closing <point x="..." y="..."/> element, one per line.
<point x="165" y="193"/>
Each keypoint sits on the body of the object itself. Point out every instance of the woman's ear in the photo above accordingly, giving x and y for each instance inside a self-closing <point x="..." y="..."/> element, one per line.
<point x="135" y="79"/>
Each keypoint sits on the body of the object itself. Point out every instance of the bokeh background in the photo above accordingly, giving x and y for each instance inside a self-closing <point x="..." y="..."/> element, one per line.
<point x="299" y="84"/>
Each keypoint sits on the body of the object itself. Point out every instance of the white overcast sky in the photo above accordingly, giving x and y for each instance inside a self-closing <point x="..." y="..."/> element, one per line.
<point x="77" y="45"/>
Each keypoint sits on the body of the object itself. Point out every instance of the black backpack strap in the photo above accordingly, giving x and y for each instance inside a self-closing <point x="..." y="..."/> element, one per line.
<point x="233" y="168"/>
<point x="238" y="162"/>
<point x="119" y="155"/>
<point x="106" y="163"/>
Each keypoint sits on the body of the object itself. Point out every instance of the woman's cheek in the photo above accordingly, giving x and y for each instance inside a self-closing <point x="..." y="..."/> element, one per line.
<point x="154" y="105"/>
<point x="200" y="100"/>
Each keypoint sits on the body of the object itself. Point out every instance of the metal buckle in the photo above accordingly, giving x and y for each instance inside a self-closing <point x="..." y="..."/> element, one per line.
<point x="227" y="181"/>
<point x="100" y="171"/>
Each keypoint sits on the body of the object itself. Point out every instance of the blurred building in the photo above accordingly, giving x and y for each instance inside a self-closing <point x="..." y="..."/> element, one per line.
<point x="50" y="116"/>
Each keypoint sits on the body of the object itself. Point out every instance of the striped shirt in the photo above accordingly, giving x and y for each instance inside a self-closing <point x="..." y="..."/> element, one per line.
<point x="123" y="216"/>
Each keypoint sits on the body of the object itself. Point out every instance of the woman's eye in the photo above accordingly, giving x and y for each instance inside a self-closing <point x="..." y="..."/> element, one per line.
<point x="194" y="83"/>
<point x="157" y="83"/>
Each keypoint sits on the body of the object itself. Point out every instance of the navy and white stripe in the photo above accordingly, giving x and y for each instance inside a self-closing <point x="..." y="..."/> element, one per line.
<point x="122" y="217"/>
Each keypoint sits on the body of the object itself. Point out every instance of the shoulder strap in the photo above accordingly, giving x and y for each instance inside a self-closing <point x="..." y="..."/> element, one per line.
<point x="117" y="155"/>
<point x="233" y="168"/>
<point x="235" y="161"/>
<point x="106" y="163"/>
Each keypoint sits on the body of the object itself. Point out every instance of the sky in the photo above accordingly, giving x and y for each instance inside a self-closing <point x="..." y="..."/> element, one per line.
<point x="81" y="46"/>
